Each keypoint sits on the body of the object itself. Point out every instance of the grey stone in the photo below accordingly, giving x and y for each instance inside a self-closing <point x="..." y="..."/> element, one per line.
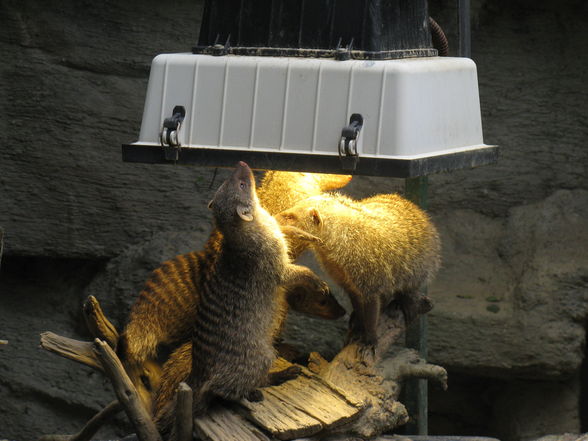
<point x="535" y="264"/>
<point x="117" y="287"/>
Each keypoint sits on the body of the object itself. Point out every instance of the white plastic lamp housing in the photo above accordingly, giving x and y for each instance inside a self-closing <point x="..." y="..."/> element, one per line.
<point x="411" y="108"/>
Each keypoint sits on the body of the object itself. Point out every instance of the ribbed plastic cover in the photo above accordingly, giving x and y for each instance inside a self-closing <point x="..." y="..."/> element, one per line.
<point x="410" y="107"/>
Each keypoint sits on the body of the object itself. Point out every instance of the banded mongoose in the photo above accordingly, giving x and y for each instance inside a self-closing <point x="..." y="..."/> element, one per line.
<point x="177" y="368"/>
<point x="162" y="317"/>
<point x="171" y="290"/>
<point x="232" y="338"/>
<point x="280" y="190"/>
<point x="381" y="250"/>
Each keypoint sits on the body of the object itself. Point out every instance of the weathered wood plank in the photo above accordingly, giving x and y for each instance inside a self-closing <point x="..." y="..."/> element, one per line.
<point x="222" y="424"/>
<point x="315" y="399"/>
<point x="280" y="418"/>
<point x="80" y="351"/>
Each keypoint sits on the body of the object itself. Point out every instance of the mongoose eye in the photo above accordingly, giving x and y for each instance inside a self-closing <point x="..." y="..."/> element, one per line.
<point x="146" y="382"/>
<point x="241" y="185"/>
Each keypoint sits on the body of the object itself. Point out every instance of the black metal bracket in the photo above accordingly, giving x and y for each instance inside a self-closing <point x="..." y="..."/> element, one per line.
<point x="169" y="133"/>
<point x="348" y="143"/>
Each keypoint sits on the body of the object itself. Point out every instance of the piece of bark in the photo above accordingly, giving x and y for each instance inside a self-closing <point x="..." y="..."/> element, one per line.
<point x="91" y="427"/>
<point x="222" y="424"/>
<point x="80" y="351"/>
<point x="280" y="418"/>
<point x="316" y="399"/>
<point x="98" y="325"/>
<point x="184" y="420"/>
<point x="303" y="406"/>
<point x="126" y="393"/>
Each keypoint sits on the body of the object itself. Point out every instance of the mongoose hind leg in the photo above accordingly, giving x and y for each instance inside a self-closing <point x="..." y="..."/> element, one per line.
<point x="370" y="316"/>
<point x="363" y="322"/>
<point x="255" y="396"/>
<point x="412" y="304"/>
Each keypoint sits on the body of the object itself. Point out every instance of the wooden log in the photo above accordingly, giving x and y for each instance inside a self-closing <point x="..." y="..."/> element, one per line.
<point x="355" y="371"/>
<point x="126" y="393"/>
<point x="82" y="352"/>
<point x="184" y="420"/>
<point x="98" y="325"/>
<point x="91" y="427"/>
<point x="3" y="342"/>
<point x="223" y="424"/>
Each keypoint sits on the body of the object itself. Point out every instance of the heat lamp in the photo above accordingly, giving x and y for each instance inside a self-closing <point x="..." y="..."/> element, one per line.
<point x="350" y="87"/>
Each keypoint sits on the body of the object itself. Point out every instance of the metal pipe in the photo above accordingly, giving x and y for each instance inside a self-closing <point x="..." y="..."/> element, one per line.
<point x="465" y="37"/>
<point x="416" y="190"/>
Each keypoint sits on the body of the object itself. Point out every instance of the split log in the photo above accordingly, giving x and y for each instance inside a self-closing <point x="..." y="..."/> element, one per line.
<point x="80" y="351"/>
<point x="98" y="325"/>
<point x="126" y="393"/>
<point x="91" y="427"/>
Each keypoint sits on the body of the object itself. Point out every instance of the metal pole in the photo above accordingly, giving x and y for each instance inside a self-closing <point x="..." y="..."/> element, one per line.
<point x="465" y="37"/>
<point x="416" y="396"/>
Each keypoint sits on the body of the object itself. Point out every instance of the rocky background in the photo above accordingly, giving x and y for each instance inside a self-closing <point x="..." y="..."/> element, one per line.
<point x="511" y="299"/>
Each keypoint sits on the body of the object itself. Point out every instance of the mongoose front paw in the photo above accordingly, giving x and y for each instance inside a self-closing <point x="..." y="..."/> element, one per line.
<point x="324" y="288"/>
<point x="255" y="396"/>
<point x="367" y="353"/>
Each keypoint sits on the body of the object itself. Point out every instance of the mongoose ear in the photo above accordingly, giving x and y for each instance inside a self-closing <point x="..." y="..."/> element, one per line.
<point x="316" y="216"/>
<point x="244" y="213"/>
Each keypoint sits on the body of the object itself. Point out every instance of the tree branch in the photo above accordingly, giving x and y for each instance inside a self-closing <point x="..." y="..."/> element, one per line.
<point x="75" y="350"/>
<point x="184" y="419"/>
<point x="126" y="392"/>
<point x="91" y="427"/>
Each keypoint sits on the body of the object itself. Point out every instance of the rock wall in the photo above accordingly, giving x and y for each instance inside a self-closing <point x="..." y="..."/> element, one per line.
<point x="512" y="296"/>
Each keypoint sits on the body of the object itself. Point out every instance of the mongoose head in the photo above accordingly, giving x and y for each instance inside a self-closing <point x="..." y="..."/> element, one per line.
<point x="235" y="201"/>
<point x="146" y="378"/>
<point x="307" y="218"/>
<point x="317" y="304"/>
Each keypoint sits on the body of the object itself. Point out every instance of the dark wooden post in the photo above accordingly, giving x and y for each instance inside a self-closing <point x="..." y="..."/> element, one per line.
<point x="416" y="391"/>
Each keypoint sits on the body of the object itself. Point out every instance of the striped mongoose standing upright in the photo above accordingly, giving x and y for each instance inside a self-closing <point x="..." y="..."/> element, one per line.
<point x="161" y="318"/>
<point x="232" y="339"/>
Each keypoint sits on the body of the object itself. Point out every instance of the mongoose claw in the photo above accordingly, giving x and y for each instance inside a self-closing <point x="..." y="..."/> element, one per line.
<point x="367" y="353"/>
<point x="255" y="396"/>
